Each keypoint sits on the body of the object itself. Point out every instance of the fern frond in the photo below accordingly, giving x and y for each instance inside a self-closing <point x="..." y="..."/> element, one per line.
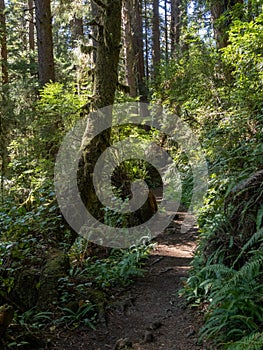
<point x="249" y="270"/>
<point x="256" y="238"/>
<point x="259" y="217"/>
<point x="251" y="342"/>
<point x="219" y="269"/>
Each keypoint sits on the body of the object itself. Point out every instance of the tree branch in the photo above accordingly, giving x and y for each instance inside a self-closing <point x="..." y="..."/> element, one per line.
<point x="123" y="88"/>
<point x="93" y="22"/>
<point x="101" y="4"/>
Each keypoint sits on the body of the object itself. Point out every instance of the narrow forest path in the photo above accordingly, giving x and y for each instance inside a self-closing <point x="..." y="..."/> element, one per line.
<point x="149" y="315"/>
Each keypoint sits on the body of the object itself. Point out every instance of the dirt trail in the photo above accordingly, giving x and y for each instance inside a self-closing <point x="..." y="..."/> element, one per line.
<point x="149" y="315"/>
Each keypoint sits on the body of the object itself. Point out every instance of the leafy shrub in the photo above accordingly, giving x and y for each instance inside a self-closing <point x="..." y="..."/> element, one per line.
<point x="118" y="269"/>
<point x="226" y="276"/>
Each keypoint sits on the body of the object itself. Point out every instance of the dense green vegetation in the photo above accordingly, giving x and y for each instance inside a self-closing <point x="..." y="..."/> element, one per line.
<point x="217" y="90"/>
<point x="226" y="275"/>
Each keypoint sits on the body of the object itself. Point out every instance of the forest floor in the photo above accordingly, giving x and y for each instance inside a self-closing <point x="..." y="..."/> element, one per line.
<point x="149" y="314"/>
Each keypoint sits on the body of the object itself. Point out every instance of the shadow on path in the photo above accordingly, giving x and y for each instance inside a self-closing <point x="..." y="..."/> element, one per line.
<point x="149" y="315"/>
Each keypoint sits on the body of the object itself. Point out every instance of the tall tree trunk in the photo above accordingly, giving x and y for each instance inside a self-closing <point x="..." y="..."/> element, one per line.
<point x="220" y="28"/>
<point x="3" y="43"/>
<point x="3" y="97"/>
<point x="77" y="23"/>
<point x="77" y="39"/>
<point x="31" y="36"/>
<point x="146" y="38"/>
<point x="175" y="31"/>
<point x="46" y="67"/>
<point x="94" y="31"/>
<point x="166" y="31"/>
<point x="220" y="25"/>
<point x="108" y="51"/>
<point x="77" y="28"/>
<point x="156" y="38"/>
<point x="105" y="83"/>
<point x="138" y="50"/>
<point x="31" y="31"/>
<point x="127" y="12"/>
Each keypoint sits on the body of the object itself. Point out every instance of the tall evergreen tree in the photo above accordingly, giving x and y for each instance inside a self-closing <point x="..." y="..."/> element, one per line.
<point x="105" y="84"/>
<point x="31" y="31"/>
<point x="221" y="24"/>
<point x="46" y="67"/>
<point x="94" y="31"/>
<point x="139" y="50"/>
<point x="31" y="35"/>
<point x="3" y="97"/>
<point x="77" y="25"/>
<point x="146" y="37"/>
<point x="175" y="30"/>
<point x="166" y="30"/>
<point x="130" y="59"/>
<point x="156" y="55"/>
<point x="3" y="43"/>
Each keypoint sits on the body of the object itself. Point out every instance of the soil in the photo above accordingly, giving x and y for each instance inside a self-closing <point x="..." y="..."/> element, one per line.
<point x="149" y="315"/>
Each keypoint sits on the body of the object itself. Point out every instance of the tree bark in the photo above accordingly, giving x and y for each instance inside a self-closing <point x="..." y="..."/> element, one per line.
<point x="175" y="31"/>
<point x="146" y="38"/>
<point x="77" y="28"/>
<point x="3" y="97"/>
<point x="156" y="38"/>
<point x="127" y="12"/>
<point x="46" y="67"/>
<point x="217" y="10"/>
<point x="94" y="31"/>
<point x="3" y="43"/>
<point x="166" y="31"/>
<point x="31" y="29"/>
<point x="77" y="23"/>
<point x="31" y="36"/>
<point x="220" y="25"/>
<point x="138" y="47"/>
<point x="108" y="51"/>
<point x="105" y="84"/>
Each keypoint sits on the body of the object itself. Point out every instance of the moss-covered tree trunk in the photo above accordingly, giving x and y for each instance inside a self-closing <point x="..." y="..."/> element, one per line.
<point x="221" y="19"/>
<point x="105" y="83"/>
<point x="139" y="50"/>
<point x="77" y="23"/>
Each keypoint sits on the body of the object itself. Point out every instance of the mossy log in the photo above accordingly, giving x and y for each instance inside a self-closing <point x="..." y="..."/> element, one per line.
<point x="56" y="267"/>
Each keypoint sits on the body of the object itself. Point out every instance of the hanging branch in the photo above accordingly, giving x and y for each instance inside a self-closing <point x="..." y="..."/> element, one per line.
<point x="101" y="4"/>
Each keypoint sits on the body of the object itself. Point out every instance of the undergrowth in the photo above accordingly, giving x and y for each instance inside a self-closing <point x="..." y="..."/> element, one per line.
<point x="226" y="280"/>
<point x="31" y="227"/>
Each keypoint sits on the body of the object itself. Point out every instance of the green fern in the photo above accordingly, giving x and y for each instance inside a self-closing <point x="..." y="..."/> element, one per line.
<point x="235" y="312"/>
<point x="235" y="300"/>
<point x="251" y="342"/>
<point x="219" y="269"/>
<point x="256" y="238"/>
<point x="251" y="268"/>
<point x="259" y="218"/>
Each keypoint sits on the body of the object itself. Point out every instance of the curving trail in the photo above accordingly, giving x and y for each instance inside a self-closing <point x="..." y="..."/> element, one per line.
<point x="149" y="315"/>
